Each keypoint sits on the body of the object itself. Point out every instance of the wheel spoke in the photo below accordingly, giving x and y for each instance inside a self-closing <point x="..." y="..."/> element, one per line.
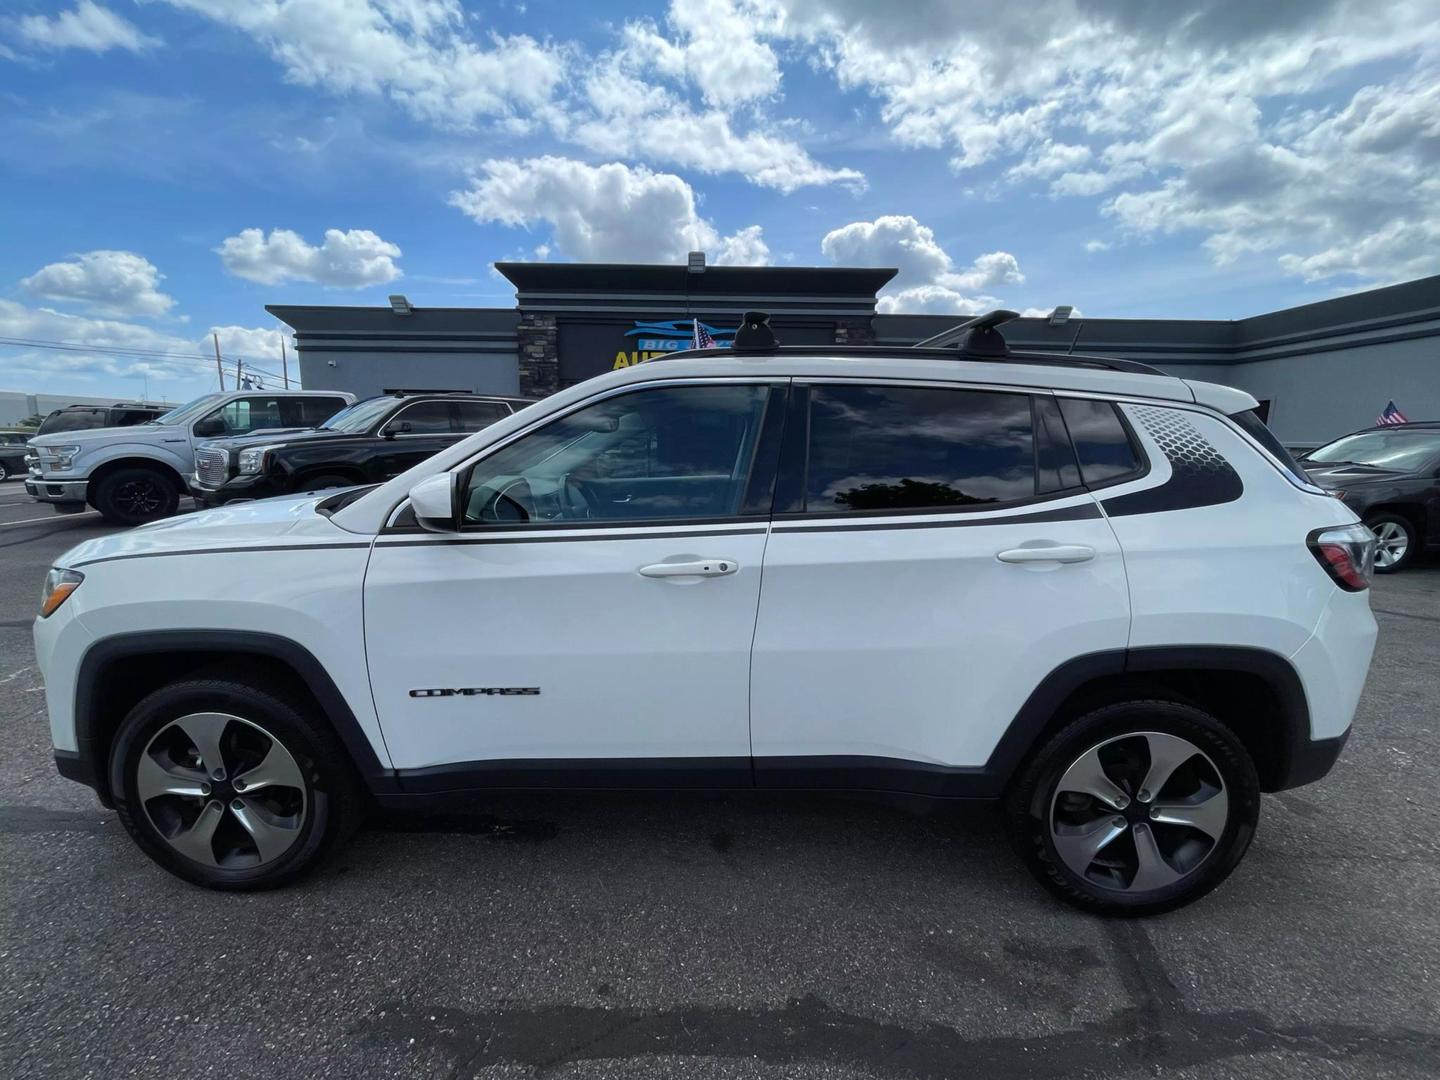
<point x="1209" y="814"/>
<point x="1167" y="753"/>
<point x="1078" y="845"/>
<point x="153" y="779"/>
<point x="271" y="835"/>
<point x="205" y="730"/>
<point x="1088" y="776"/>
<point x="278" y="769"/>
<point x="195" y="842"/>
<point x="1152" y="872"/>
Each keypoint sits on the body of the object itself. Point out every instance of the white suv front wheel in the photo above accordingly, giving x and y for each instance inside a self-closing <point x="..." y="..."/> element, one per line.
<point x="1136" y="808"/>
<point x="232" y="785"/>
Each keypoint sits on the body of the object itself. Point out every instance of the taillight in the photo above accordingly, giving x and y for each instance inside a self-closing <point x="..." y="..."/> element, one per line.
<point x="1347" y="552"/>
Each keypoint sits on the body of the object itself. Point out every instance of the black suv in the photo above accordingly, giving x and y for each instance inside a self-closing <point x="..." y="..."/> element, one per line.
<point x="85" y="417"/>
<point x="1390" y="476"/>
<point x="365" y="443"/>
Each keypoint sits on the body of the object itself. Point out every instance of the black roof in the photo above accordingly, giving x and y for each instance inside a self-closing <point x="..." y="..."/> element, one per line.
<point x="728" y="280"/>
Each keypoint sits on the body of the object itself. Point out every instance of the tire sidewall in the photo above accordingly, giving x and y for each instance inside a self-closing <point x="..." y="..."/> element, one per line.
<point x="1033" y="795"/>
<point x="1412" y="540"/>
<point x="279" y="721"/>
<point x="107" y="488"/>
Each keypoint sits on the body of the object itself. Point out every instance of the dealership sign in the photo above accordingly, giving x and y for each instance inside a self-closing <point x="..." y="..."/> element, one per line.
<point x="649" y="340"/>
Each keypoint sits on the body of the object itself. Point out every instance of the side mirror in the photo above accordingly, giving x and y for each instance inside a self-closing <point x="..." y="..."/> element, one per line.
<point x="209" y="427"/>
<point x="401" y="427"/>
<point x="436" y="502"/>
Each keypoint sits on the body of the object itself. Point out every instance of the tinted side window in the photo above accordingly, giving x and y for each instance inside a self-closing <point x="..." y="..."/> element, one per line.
<point x="245" y="415"/>
<point x="130" y="417"/>
<point x="312" y="411"/>
<point x="475" y="415"/>
<point x="1101" y="442"/>
<point x="73" y="420"/>
<point x="890" y="448"/>
<point x="425" y="418"/>
<point x="670" y="452"/>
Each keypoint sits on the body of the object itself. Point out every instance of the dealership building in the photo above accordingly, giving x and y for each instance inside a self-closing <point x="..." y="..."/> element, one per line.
<point x="1319" y="369"/>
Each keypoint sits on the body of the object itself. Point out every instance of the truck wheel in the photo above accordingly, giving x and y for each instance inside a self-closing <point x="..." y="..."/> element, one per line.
<point x="136" y="495"/>
<point x="4" y="472"/>
<point x="232" y="786"/>
<point x="1136" y="808"/>
<point x="1398" y="542"/>
<point x="323" y="483"/>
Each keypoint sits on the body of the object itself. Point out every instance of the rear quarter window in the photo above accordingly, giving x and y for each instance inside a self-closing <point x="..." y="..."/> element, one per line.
<point x="1102" y="442"/>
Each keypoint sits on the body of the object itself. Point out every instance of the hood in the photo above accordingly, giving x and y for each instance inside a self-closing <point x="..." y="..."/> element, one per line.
<point x="280" y="437"/>
<point x="1341" y="475"/>
<point x="90" y="436"/>
<point x="237" y="525"/>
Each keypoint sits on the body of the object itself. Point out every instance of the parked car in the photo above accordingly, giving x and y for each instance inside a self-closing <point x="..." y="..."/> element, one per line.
<point x="367" y="443"/>
<point x="137" y="474"/>
<point x="1101" y="594"/>
<point x="12" y="453"/>
<point x="87" y="417"/>
<point x="1390" y="476"/>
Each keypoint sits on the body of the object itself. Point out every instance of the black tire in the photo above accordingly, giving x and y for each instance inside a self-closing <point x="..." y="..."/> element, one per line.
<point x="334" y="803"/>
<point x="1401" y="527"/>
<point x="1033" y="801"/>
<point x="135" y="495"/>
<point x="4" y="473"/>
<point x="324" y="481"/>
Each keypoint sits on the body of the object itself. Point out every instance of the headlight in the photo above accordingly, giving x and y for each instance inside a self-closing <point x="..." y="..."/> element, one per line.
<point x="63" y="455"/>
<point x="59" y="584"/>
<point x="253" y="460"/>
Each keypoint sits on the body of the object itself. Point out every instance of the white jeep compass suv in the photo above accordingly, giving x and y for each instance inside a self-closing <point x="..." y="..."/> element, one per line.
<point x="1101" y="594"/>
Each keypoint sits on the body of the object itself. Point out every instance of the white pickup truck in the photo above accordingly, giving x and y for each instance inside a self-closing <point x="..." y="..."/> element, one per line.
<point x="137" y="474"/>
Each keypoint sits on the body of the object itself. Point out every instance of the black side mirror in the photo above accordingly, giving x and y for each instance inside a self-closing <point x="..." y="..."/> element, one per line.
<point x="402" y="427"/>
<point x="210" y="427"/>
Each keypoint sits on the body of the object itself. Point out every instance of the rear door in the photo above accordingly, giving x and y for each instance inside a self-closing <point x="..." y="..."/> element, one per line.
<point x="933" y="557"/>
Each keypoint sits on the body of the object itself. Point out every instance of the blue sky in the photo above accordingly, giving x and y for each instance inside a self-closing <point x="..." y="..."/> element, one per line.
<point x="169" y="167"/>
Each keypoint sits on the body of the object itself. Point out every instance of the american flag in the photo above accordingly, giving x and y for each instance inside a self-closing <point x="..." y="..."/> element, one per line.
<point x="1391" y="415"/>
<point x="702" y="338"/>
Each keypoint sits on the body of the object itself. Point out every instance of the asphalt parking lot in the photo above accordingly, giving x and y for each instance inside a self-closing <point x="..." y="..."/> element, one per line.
<point x="721" y="936"/>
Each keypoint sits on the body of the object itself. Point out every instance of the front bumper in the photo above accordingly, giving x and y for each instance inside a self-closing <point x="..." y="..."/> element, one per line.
<point x="250" y="486"/>
<point x="56" y="491"/>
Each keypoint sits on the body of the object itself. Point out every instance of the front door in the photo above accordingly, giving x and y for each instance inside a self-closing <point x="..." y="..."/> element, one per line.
<point x="933" y="557"/>
<point x="592" y="622"/>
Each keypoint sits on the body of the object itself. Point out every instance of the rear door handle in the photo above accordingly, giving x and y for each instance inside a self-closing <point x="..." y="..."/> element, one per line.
<point x="1061" y="553"/>
<point x="698" y="568"/>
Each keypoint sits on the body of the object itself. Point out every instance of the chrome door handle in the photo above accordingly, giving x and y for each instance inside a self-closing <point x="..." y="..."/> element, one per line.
<point x="1061" y="553"/>
<point x="698" y="568"/>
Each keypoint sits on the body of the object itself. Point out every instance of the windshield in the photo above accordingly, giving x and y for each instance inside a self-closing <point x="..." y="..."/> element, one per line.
<point x="189" y="411"/>
<point x="1397" y="450"/>
<point x="360" y="416"/>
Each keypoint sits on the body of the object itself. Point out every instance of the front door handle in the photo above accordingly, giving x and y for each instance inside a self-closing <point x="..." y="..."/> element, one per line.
<point x="1061" y="553"/>
<point x="697" y="568"/>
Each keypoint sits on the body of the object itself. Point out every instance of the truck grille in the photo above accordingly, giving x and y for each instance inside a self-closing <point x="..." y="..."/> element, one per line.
<point x="212" y="466"/>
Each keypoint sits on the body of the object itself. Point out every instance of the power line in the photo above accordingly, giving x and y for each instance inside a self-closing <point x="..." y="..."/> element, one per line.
<point x="127" y="353"/>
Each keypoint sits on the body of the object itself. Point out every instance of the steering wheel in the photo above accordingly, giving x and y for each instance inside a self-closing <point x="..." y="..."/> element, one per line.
<point x="579" y="502"/>
<point x="503" y="506"/>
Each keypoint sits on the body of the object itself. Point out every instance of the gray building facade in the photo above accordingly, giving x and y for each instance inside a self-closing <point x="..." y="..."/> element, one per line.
<point x="1321" y="369"/>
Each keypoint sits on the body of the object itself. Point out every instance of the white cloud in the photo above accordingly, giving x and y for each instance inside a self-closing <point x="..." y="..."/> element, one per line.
<point x="417" y="52"/>
<point x="346" y="260"/>
<point x="927" y="279"/>
<point x="1197" y="118"/>
<point x="603" y="213"/>
<point x="106" y="282"/>
<point x="89" y="26"/>
<point x="715" y="47"/>
<point x="1096" y="246"/>
<point x="639" y="119"/>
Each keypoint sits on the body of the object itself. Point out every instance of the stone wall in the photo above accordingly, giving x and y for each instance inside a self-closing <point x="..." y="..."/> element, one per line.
<point x="539" y="355"/>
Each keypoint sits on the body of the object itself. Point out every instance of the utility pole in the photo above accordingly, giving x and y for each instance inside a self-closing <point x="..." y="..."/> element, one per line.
<point x="237" y="369"/>
<point x="218" y="369"/>
<point x="284" y="363"/>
